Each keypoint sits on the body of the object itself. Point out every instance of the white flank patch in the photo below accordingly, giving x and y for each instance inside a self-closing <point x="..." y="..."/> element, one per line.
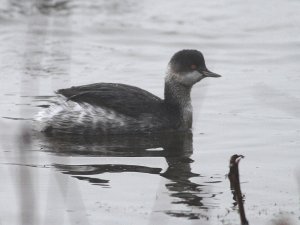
<point x="66" y="115"/>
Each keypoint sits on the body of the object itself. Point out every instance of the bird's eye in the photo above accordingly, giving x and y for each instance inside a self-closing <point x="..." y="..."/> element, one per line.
<point x="193" y="66"/>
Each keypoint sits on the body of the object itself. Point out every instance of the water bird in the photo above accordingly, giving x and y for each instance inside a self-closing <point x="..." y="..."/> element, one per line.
<point x="113" y="108"/>
<point x="235" y="186"/>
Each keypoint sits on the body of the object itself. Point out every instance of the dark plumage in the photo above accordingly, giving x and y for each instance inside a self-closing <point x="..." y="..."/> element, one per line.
<point x="113" y="96"/>
<point x="182" y="61"/>
<point x="118" y="108"/>
<point x="127" y="100"/>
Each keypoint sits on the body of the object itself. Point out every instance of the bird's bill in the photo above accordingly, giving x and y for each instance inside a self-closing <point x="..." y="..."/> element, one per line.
<point x="208" y="73"/>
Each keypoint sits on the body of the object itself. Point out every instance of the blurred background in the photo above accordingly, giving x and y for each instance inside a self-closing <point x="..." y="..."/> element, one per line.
<point x="254" y="110"/>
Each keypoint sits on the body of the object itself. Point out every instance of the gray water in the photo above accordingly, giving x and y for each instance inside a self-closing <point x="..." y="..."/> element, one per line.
<point x="252" y="110"/>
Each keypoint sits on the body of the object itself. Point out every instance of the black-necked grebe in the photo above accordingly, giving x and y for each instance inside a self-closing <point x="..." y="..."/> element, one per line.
<point x="108" y="108"/>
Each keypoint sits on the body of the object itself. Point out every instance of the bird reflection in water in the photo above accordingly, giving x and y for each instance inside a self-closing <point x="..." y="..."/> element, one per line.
<point x="176" y="148"/>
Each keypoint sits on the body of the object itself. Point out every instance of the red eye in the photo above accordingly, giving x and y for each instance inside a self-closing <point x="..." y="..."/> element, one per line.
<point x="193" y="66"/>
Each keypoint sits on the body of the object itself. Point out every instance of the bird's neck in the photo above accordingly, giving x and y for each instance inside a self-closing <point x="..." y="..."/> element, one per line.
<point x="179" y="96"/>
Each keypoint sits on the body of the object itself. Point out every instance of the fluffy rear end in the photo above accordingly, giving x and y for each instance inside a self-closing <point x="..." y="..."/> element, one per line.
<point x="65" y="116"/>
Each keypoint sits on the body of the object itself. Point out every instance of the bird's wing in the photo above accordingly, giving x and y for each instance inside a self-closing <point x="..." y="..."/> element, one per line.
<point x="125" y="99"/>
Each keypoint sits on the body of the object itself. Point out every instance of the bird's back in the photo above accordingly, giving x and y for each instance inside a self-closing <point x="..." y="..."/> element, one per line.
<point x="109" y="108"/>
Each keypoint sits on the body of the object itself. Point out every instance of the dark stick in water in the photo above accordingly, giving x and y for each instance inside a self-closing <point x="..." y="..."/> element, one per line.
<point x="234" y="178"/>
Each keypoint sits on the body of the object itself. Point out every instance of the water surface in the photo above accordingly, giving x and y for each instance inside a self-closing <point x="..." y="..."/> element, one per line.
<point x="154" y="179"/>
